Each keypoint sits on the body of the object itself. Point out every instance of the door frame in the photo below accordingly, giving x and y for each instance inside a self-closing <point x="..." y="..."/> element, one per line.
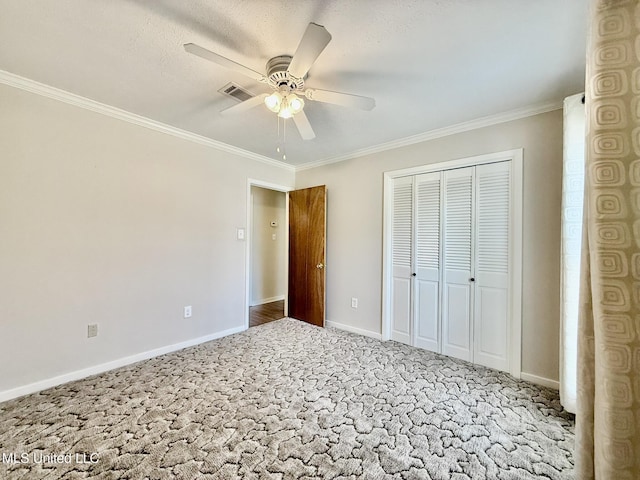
<point x="248" y="239"/>
<point x="516" y="157"/>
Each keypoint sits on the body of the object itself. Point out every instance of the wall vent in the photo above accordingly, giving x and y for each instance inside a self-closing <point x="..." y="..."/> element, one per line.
<point x="235" y="91"/>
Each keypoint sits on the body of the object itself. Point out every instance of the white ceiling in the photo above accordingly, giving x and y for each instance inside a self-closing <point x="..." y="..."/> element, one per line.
<point x="428" y="63"/>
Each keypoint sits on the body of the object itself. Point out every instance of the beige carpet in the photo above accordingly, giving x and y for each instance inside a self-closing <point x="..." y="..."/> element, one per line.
<point x="290" y="401"/>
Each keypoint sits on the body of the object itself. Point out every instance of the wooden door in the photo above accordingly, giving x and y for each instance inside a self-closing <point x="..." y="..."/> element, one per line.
<point x="307" y="240"/>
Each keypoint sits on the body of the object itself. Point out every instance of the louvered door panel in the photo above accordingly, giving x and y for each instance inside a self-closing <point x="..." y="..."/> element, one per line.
<point x="457" y="265"/>
<point x="427" y="284"/>
<point x="402" y="240"/>
<point x="491" y="322"/>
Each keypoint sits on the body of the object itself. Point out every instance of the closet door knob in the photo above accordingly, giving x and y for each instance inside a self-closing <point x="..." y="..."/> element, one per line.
<point x="472" y="279"/>
<point x="413" y="274"/>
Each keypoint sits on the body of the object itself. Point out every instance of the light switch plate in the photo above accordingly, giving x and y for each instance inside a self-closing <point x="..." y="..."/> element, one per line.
<point x="92" y="330"/>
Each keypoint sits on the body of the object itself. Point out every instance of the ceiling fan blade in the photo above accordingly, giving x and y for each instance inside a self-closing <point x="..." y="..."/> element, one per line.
<point x="344" y="99"/>
<point x="223" y="61"/>
<point x="313" y="42"/>
<point x="246" y="105"/>
<point x="303" y="125"/>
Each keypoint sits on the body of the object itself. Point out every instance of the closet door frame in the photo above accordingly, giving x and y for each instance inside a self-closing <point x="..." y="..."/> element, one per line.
<point x="515" y="245"/>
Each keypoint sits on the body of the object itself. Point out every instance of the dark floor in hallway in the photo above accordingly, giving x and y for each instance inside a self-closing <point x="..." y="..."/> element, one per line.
<point x="268" y="312"/>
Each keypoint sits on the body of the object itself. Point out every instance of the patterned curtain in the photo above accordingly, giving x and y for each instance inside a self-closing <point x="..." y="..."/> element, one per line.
<point x="608" y="416"/>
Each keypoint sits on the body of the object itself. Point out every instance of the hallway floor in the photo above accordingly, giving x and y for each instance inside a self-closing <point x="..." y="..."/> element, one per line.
<point x="265" y="313"/>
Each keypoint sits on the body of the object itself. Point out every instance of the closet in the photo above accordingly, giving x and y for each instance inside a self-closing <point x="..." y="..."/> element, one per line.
<point x="453" y="286"/>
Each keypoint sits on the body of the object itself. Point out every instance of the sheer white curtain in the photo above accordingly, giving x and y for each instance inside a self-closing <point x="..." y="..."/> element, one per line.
<point x="572" y="201"/>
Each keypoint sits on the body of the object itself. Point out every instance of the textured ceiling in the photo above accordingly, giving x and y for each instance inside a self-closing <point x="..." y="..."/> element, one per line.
<point x="428" y="63"/>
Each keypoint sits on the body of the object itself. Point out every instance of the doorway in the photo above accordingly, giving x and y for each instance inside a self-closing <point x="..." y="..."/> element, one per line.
<point x="303" y="235"/>
<point x="268" y="245"/>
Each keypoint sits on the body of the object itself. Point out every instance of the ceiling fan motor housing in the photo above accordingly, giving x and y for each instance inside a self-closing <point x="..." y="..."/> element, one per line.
<point x="279" y="77"/>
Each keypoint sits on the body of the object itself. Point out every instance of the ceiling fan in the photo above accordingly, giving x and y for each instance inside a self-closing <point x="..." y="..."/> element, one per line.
<point x="285" y="75"/>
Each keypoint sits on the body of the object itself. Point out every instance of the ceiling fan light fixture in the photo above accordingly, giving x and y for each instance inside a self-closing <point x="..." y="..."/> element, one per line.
<point x="274" y="102"/>
<point x="285" y="112"/>
<point x="295" y="103"/>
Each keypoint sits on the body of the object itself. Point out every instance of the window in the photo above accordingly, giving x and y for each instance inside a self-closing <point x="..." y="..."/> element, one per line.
<point x="572" y="204"/>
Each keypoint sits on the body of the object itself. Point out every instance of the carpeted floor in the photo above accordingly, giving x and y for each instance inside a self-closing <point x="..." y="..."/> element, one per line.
<point x="290" y="401"/>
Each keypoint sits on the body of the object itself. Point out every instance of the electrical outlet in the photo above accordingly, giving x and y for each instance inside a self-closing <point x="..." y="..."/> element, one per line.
<point x="187" y="311"/>
<point x="92" y="330"/>
<point x="354" y="302"/>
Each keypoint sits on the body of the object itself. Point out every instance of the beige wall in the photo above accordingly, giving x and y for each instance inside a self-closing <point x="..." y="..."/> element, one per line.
<point x="268" y="254"/>
<point x="106" y="222"/>
<point x="354" y="240"/>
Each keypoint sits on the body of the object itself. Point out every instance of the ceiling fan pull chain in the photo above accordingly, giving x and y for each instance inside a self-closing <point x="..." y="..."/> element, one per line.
<point x="284" y="139"/>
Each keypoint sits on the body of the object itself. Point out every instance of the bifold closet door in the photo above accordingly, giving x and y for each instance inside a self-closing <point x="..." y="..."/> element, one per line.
<point x="402" y="247"/>
<point x="457" y="295"/>
<point x="492" y="263"/>
<point x="427" y="262"/>
<point x="451" y="262"/>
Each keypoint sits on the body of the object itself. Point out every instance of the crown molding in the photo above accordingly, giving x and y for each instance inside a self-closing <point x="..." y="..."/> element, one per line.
<point x="32" y="86"/>
<point x="441" y="132"/>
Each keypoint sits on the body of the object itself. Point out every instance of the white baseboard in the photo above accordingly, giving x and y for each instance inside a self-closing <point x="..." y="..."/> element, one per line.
<point x="267" y="300"/>
<point x="349" y="328"/>
<point x="545" y="382"/>
<point x="103" y="367"/>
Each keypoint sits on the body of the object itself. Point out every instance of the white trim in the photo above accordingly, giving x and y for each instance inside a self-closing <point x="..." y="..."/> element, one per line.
<point x="32" y="86"/>
<point x="515" y="288"/>
<point x="387" y="255"/>
<point x="545" y="382"/>
<point x="286" y="258"/>
<point x="251" y="182"/>
<point x="104" y="367"/>
<point x="268" y="300"/>
<point x="349" y="328"/>
<point x="516" y="157"/>
<point x="94" y="106"/>
<point x="456" y="163"/>
<point x="482" y="122"/>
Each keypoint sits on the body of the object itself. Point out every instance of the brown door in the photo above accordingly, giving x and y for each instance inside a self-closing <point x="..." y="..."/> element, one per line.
<point x="307" y="228"/>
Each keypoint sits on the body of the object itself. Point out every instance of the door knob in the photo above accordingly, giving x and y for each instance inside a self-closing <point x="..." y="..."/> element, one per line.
<point x="413" y="274"/>
<point x="320" y="266"/>
<point x="472" y="279"/>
